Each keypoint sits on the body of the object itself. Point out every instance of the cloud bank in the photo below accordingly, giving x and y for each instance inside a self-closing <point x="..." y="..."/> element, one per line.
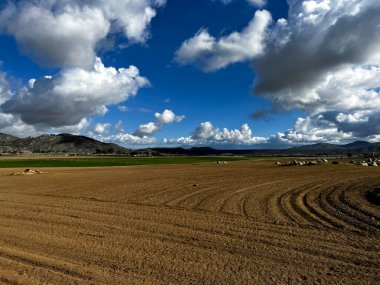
<point x="323" y="60"/>
<point x="207" y="134"/>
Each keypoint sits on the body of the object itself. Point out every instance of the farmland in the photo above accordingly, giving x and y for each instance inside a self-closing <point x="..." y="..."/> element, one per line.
<point x="41" y="161"/>
<point x="245" y="222"/>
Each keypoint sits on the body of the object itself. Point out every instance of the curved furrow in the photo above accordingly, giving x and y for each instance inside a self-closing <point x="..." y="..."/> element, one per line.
<point x="371" y="219"/>
<point x="371" y="215"/>
<point x="243" y="206"/>
<point x="330" y="212"/>
<point x="275" y="240"/>
<point x="306" y="204"/>
<point x="312" y="202"/>
<point x="336" y="209"/>
<point x="277" y="210"/>
<point x="287" y="203"/>
<point x="128" y="213"/>
<point x="87" y="222"/>
<point x="230" y="199"/>
<point x="302" y="206"/>
<point x="157" y="225"/>
<point x="348" y="214"/>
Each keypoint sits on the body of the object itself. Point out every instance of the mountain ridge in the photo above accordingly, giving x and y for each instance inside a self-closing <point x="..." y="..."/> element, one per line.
<point x="77" y="144"/>
<point x="60" y="143"/>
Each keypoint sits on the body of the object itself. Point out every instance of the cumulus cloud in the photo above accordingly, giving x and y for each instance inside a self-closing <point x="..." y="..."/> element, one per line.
<point x="101" y="128"/>
<point x="73" y="94"/>
<point x="132" y="16"/>
<point x="166" y="117"/>
<point x="324" y="60"/>
<point x="65" y="33"/>
<point x="130" y="139"/>
<point x="64" y="38"/>
<point x="207" y="134"/>
<point x="208" y="53"/>
<point x="12" y="123"/>
<point x="143" y="134"/>
<point x="311" y="130"/>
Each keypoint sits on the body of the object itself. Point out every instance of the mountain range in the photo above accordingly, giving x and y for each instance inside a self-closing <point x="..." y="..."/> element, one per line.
<point x="72" y="144"/>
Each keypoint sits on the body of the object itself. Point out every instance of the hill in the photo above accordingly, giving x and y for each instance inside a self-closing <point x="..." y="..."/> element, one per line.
<point x="62" y="143"/>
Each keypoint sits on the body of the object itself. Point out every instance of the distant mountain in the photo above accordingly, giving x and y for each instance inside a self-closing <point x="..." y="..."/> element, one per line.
<point x="71" y="144"/>
<point x="359" y="144"/>
<point x="317" y="146"/>
<point x="318" y="149"/>
<point x="62" y="143"/>
<point x="190" y="151"/>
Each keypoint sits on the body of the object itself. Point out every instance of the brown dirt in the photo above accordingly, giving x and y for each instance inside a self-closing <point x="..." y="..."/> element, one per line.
<point x="243" y="223"/>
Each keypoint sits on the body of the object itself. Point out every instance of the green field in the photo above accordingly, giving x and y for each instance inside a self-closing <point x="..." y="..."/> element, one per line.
<point x="106" y="161"/>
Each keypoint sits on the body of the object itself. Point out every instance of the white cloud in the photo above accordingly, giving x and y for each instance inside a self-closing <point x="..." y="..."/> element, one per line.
<point x="129" y="139"/>
<point x="101" y="128"/>
<point x="209" y="54"/>
<point x="65" y="33"/>
<point x="166" y="117"/>
<point x="123" y="108"/>
<point x="207" y="134"/>
<point x="311" y="130"/>
<point x="73" y="94"/>
<point x="119" y="126"/>
<point x="132" y="16"/>
<point x="65" y="38"/>
<point x="143" y="134"/>
<point x="324" y="60"/>
<point x="147" y="129"/>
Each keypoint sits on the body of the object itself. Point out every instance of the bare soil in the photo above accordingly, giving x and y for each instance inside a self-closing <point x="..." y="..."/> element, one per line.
<point x="248" y="222"/>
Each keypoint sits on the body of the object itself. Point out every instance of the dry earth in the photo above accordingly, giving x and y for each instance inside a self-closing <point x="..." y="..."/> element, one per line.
<point x="242" y="223"/>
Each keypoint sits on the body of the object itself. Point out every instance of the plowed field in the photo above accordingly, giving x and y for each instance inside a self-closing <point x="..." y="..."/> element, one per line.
<point x="247" y="222"/>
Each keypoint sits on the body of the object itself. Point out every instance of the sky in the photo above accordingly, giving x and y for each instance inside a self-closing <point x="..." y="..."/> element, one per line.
<point x="222" y="73"/>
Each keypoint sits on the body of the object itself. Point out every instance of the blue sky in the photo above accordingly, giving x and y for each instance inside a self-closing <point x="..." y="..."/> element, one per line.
<point x="234" y="73"/>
